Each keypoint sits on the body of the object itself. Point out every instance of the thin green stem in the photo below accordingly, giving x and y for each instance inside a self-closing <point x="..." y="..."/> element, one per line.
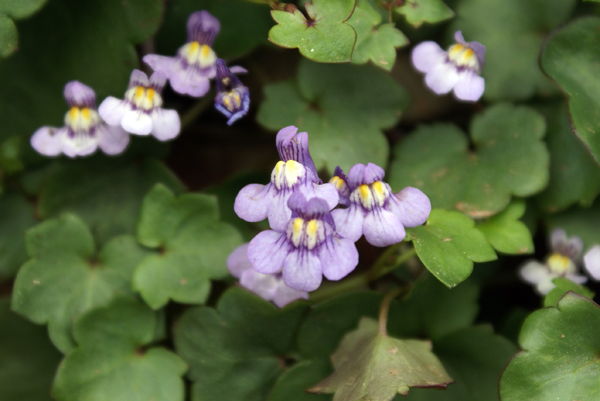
<point x="385" y="308"/>
<point x="197" y="109"/>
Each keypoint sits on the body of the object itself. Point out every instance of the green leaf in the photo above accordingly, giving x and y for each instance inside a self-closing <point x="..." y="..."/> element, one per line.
<point x="16" y="215"/>
<point x="510" y="159"/>
<point x="506" y="233"/>
<point x="370" y="365"/>
<point x="63" y="279"/>
<point x="14" y="10"/>
<point x="564" y="285"/>
<point x="448" y="244"/>
<point x="107" y="196"/>
<point x="559" y="360"/>
<point x="374" y="42"/>
<point x="419" y="11"/>
<point x="512" y="69"/>
<point x="324" y="37"/>
<point x="90" y="41"/>
<point x="29" y="360"/>
<point x="234" y="351"/>
<point x="244" y="26"/>
<point x="193" y="244"/>
<point x="582" y="222"/>
<point x="475" y="358"/>
<point x="292" y="384"/>
<point x="111" y="361"/>
<point x="568" y="58"/>
<point x="342" y="107"/>
<point x="574" y="175"/>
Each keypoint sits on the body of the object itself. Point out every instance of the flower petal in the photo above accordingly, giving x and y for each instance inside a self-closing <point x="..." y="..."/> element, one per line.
<point x="267" y="252"/>
<point x="165" y="124"/>
<point x="238" y="262"/>
<point x="158" y="80"/>
<point x="79" y="145"/>
<point x="349" y="222"/>
<point x="534" y="272"/>
<point x="79" y="95"/>
<point x="112" y="139"/>
<point x="48" y="141"/>
<point x="302" y="271"/>
<point x="469" y="86"/>
<point x="442" y="78"/>
<point x="383" y="228"/>
<point x="427" y="55"/>
<point x="112" y="110"/>
<point x="137" y="122"/>
<point x="253" y="201"/>
<point x="328" y="193"/>
<point x="591" y="262"/>
<point x="279" y="214"/>
<point x="577" y="278"/>
<point x="264" y="285"/>
<point x="190" y="82"/>
<point x="202" y="27"/>
<point x="236" y="69"/>
<point x="163" y="64"/>
<point x="411" y="206"/>
<point x="339" y="257"/>
<point x="285" y="295"/>
<point x="138" y="78"/>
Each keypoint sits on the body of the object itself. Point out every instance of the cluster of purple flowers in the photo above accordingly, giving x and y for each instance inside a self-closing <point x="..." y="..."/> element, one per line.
<point x="308" y="238"/>
<point x="107" y="127"/>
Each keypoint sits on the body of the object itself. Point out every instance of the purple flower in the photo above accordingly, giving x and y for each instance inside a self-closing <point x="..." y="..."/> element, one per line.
<point x="84" y="130"/>
<point x="267" y="286"/>
<point x="341" y="185"/>
<point x="376" y="211"/>
<point x="307" y="248"/>
<point x="562" y="262"/>
<point x="194" y="66"/>
<point x="295" y="172"/>
<point x="458" y="68"/>
<point x="140" y="112"/>
<point x="591" y="261"/>
<point x="233" y="98"/>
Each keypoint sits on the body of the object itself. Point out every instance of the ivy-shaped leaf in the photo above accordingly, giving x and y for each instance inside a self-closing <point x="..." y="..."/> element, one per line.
<point x="374" y="42"/>
<point x="510" y="159"/>
<point x="107" y="196"/>
<point x="324" y="37"/>
<point x="370" y="365"/>
<point x="16" y="215"/>
<point x="342" y="107"/>
<point x="90" y="41"/>
<point x="574" y="175"/>
<point x="564" y="285"/>
<point x="559" y="360"/>
<point x="292" y="384"/>
<point x="448" y="244"/>
<point x="570" y="60"/>
<point x="63" y="279"/>
<point x="234" y="351"/>
<point x="512" y="69"/>
<point x="193" y="244"/>
<point x="112" y="360"/>
<point x="29" y="360"/>
<point x="12" y="10"/>
<point x="506" y="233"/>
<point x="419" y="11"/>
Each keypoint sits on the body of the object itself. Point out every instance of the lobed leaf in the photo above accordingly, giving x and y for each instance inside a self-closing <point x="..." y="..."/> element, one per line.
<point x="419" y="11"/>
<point x="506" y="233"/>
<point x="16" y="215"/>
<point x="11" y="10"/>
<point x="564" y="285"/>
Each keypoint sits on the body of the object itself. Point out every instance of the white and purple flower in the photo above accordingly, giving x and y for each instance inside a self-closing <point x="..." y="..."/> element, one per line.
<point x="458" y="68"/>
<point x="270" y="287"/>
<point x="562" y="262"/>
<point x="307" y="248"/>
<point x="591" y="261"/>
<point x="376" y="211"/>
<point x="233" y="98"/>
<point x="194" y="66"/>
<point x="141" y="111"/>
<point x="295" y="172"/>
<point x="84" y="130"/>
<point x="340" y="180"/>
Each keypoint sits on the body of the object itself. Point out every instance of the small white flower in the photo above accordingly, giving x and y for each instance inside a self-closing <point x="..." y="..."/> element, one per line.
<point x="458" y="68"/>
<point x="591" y="261"/>
<point x="141" y="111"/>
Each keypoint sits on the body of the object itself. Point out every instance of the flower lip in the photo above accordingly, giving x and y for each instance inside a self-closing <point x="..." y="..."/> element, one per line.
<point x="293" y="145"/>
<point x="568" y="247"/>
<point x="233" y="98"/>
<point x="314" y="208"/>
<point x="79" y="95"/>
<point x="202" y="27"/>
<point x="361" y="174"/>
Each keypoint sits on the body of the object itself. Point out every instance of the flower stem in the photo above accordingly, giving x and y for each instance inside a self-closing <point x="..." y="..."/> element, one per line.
<point x="385" y="308"/>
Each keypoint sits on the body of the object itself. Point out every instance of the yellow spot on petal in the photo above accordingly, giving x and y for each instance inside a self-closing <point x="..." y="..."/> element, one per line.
<point x="73" y="113"/>
<point x="560" y="264"/>
<point x="139" y="92"/>
<point x="311" y="227"/>
<point x="150" y="94"/>
<point x="378" y="188"/>
<point x="364" y="191"/>
<point x="86" y="113"/>
<point x="205" y="50"/>
<point x="194" y="46"/>
<point x="298" y="223"/>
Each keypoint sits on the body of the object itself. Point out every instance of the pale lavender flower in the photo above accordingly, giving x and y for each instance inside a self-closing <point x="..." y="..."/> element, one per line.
<point x="141" y="111"/>
<point x="270" y="287"/>
<point x="591" y="261"/>
<point x="376" y="211"/>
<point x="308" y="248"/>
<point x="84" y="130"/>
<point x="458" y="68"/>
<point x="194" y="66"/>
<point x="340" y="181"/>
<point x="295" y="172"/>
<point x="562" y="262"/>
<point x="233" y="98"/>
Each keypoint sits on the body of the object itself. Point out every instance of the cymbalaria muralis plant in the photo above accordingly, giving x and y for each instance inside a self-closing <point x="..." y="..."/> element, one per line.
<point x="408" y="205"/>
